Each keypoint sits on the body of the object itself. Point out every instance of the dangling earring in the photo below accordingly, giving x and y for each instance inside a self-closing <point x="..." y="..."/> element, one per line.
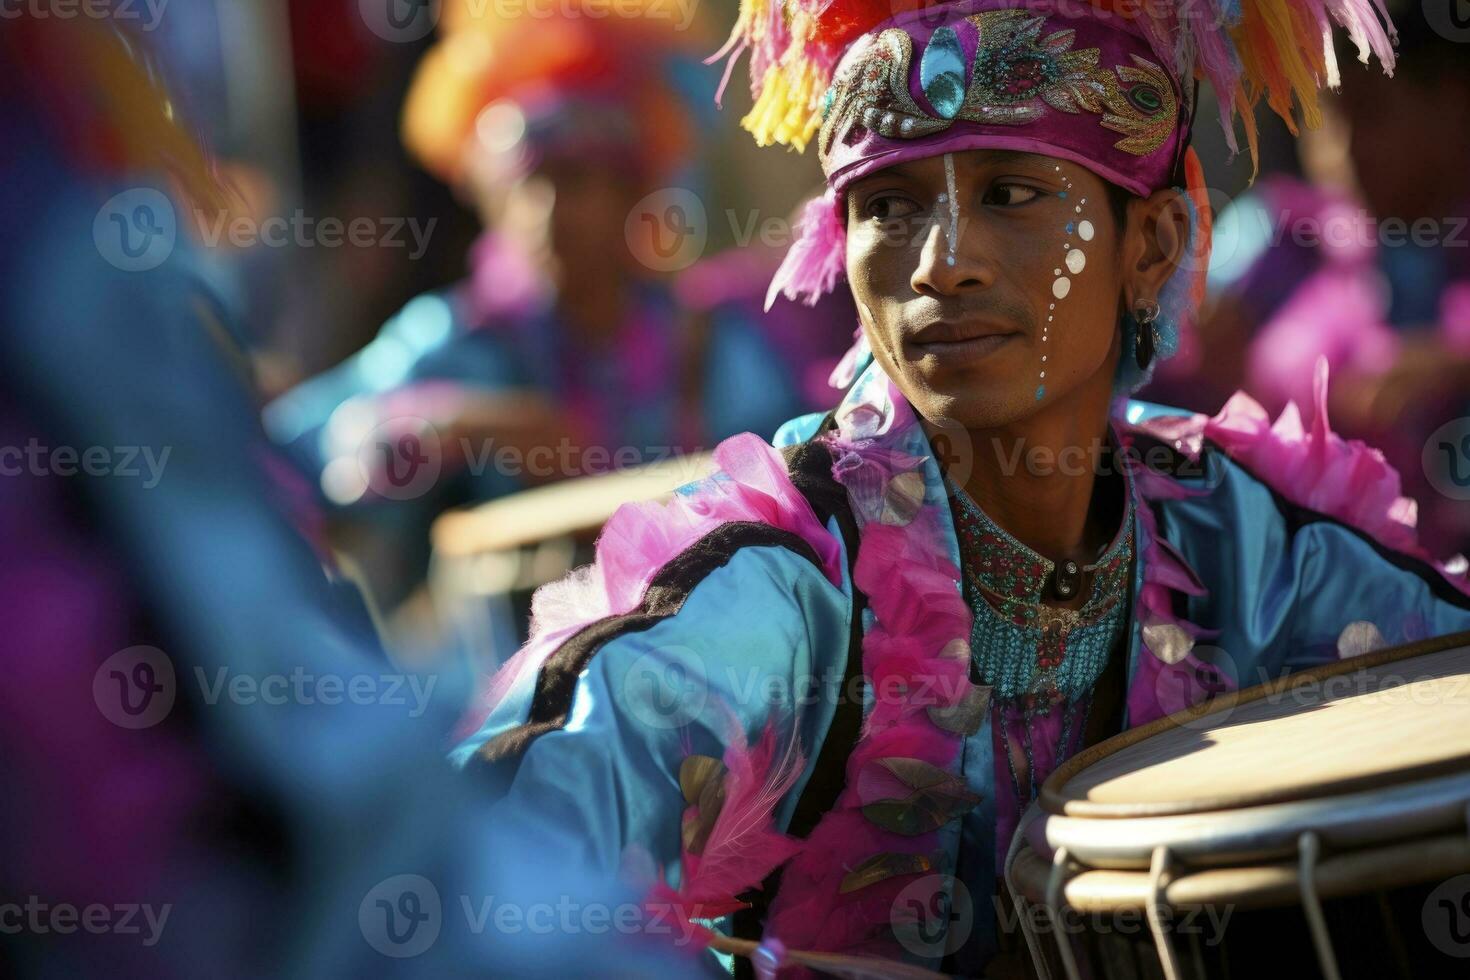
<point x="1145" y="312"/>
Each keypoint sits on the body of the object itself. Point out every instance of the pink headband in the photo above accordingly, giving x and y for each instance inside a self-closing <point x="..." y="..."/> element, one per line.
<point x="1065" y="80"/>
<point x="1068" y="81"/>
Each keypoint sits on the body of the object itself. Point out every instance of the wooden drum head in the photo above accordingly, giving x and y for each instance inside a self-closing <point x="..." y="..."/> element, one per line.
<point x="1373" y="722"/>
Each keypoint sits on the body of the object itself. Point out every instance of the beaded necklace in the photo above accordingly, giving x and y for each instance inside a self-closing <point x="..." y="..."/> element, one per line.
<point x="1038" y="658"/>
<point x="1037" y="654"/>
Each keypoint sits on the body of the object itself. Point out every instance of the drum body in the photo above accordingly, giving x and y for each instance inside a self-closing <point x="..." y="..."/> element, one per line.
<point x="1314" y="827"/>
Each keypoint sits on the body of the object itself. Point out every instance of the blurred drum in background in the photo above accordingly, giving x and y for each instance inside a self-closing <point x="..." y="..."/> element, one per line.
<point x="1313" y="826"/>
<point x="489" y="559"/>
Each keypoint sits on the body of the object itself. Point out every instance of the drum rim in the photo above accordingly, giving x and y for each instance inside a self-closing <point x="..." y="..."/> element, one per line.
<point x="1053" y="798"/>
<point x="1249" y="835"/>
<point x="1127" y="888"/>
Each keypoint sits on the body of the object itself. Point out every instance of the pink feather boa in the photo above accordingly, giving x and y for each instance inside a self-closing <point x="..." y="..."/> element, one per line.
<point x="916" y="656"/>
<point x="1313" y="467"/>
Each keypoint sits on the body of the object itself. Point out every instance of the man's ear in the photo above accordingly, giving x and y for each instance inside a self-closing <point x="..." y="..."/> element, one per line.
<point x="1156" y="242"/>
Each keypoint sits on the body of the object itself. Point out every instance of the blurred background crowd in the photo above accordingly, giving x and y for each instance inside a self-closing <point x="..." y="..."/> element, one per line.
<point x="408" y="291"/>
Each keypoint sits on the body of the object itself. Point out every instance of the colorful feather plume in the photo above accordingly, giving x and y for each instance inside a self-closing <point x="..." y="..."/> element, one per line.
<point x="1248" y="50"/>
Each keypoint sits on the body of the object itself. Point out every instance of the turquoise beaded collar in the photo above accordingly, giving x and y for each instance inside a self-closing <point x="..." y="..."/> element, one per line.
<point x="1029" y="651"/>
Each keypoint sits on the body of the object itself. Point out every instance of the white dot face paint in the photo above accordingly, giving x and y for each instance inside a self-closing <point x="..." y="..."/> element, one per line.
<point x="1075" y="262"/>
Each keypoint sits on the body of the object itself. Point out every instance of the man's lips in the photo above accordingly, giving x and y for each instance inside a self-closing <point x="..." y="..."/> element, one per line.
<point x="959" y="337"/>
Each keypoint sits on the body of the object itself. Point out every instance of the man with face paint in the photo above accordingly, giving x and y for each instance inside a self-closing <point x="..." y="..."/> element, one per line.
<point x="818" y="689"/>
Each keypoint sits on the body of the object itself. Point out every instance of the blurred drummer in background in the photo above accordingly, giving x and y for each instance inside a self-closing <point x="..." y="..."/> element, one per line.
<point x="566" y="351"/>
<point x="182" y="753"/>
<point x="1365" y="262"/>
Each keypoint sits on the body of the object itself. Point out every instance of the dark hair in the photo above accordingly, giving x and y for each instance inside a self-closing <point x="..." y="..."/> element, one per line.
<point x="1118" y="199"/>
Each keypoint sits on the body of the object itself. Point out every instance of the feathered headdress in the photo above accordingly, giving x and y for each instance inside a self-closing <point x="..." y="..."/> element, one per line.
<point x="1279" y="50"/>
<point x="1108" y="84"/>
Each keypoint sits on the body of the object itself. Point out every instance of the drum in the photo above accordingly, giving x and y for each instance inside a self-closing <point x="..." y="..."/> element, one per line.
<point x="1315" y="826"/>
<point x="489" y="559"/>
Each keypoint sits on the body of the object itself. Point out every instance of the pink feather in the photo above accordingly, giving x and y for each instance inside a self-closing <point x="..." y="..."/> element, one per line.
<point x="744" y="845"/>
<point x="818" y="257"/>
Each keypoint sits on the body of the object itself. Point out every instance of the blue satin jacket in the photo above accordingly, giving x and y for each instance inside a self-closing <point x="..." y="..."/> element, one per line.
<point x="767" y="632"/>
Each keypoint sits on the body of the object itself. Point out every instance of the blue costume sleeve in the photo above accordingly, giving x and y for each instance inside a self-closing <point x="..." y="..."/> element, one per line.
<point x="115" y="359"/>
<point x="1290" y="588"/>
<point x="759" y="641"/>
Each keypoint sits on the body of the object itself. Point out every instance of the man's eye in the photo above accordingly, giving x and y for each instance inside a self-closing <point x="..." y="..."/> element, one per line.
<point x="1010" y="195"/>
<point x="890" y="207"/>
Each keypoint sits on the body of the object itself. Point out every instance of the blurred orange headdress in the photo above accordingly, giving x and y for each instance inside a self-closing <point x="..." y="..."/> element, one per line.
<point x="550" y="54"/>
